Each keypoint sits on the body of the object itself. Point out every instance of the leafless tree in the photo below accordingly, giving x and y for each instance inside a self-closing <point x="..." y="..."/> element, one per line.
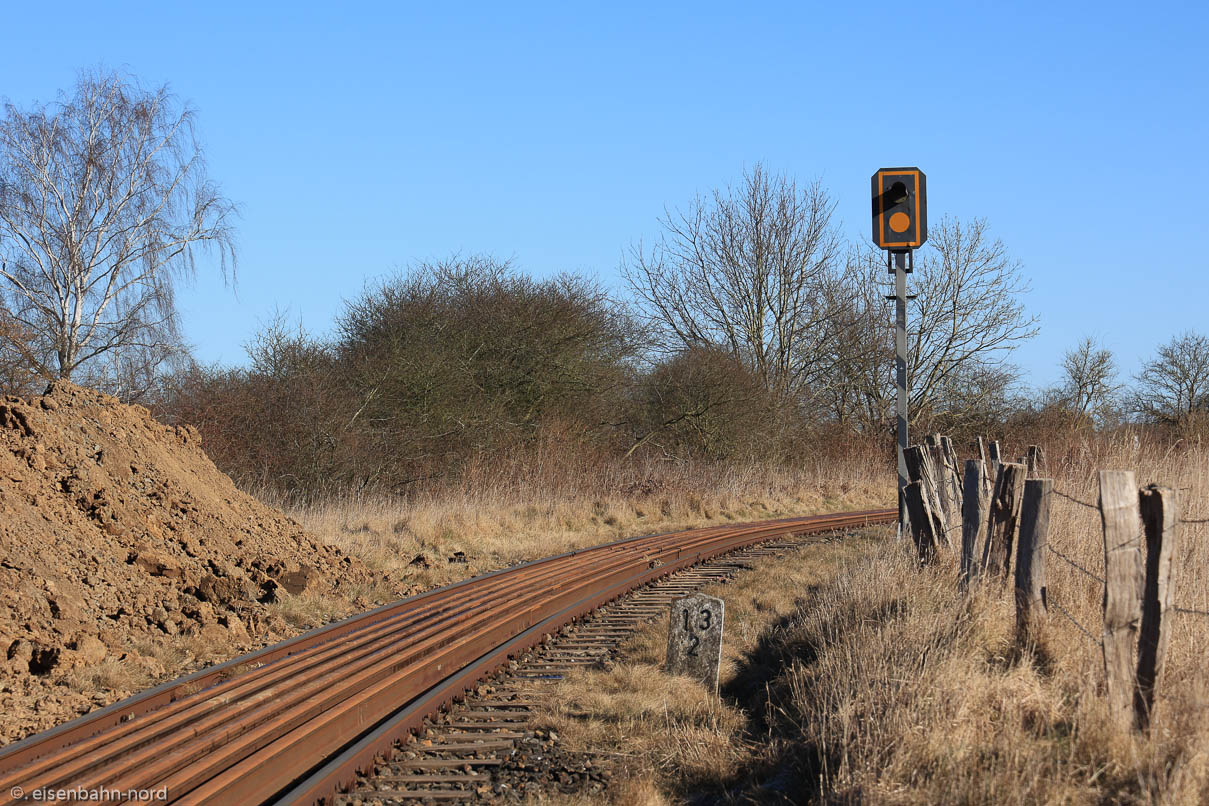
<point x="1088" y="388"/>
<point x="859" y="383"/>
<point x="744" y="269"/>
<point x="965" y="320"/>
<point x="103" y="201"/>
<point x="973" y="400"/>
<point x="16" y="377"/>
<point x="1173" y="387"/>
<point x="967" y="307"/>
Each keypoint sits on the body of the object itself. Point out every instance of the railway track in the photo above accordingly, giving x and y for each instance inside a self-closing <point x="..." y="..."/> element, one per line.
<point x="295" y="722"/>
<point x="488" y="746"/>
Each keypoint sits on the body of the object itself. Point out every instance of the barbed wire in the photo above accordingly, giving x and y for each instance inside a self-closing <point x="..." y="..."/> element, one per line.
<point x="1075" y="565"/>
<point x="1192" y="611"/>
<point x="1073" y="620"/>
<point x="1076" y="500"/>
<point x="1097" y="507"/>
<point x="1188" y="610"/>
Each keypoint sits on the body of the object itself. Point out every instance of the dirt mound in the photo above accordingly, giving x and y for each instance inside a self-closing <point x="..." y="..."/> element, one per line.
<point x="118" y="533"/>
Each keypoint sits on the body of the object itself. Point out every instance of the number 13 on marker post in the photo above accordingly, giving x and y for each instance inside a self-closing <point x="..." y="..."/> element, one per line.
<point x="694" y="641"/>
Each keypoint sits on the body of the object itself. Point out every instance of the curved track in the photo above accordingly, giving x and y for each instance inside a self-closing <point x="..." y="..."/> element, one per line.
<point x="292" y="723"/>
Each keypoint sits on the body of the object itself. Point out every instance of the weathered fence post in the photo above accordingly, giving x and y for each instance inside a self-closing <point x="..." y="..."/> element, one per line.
<point x="1122" y="589"/>
<point x="973" y="519"/>
<point x="922" y="520"/>
<point x="1002" y="519"/>
<point x="1031" y="605"/>
<point x="953" y="477"/>
<point x="1160" y="515"/>
<point x="940" y="478"/>
<point x="996" y="460"/>
<point x="988" y="469"/>
<point x="1035" y="460"/>
<point x="920" y="468"/>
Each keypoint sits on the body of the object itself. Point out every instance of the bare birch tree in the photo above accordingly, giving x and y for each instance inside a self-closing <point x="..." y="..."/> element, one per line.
<point x="104" y="200"/>
<point x="744" y="269"/>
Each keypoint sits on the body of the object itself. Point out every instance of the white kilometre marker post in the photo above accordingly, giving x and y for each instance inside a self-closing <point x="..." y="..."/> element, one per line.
<point x="694" y="639"/>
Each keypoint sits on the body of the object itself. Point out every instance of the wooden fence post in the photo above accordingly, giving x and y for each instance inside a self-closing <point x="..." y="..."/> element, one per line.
<point x="1160" y="516"/>
<point x="953" y="476"/>
<point x="923" y="523"/>
<point x="940" y="479"/>
<point x="1002" y="519"/>
<point x="988" y="475"/>
<point x="973" y="520"/>
<point x="1031" y="605"/>
<point x="996" y="460"/>
<point x="1122" y="589"/>
<point x="920" y="468"/>
<point x="1035" y="460"/>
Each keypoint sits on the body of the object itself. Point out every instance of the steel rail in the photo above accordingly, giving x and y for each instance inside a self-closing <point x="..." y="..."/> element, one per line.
<point x="293" y="722"/>
<point x="116" y="714"/>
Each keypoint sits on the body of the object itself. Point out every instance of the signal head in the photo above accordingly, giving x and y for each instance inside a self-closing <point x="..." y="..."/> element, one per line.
<point x="900" y="208"/>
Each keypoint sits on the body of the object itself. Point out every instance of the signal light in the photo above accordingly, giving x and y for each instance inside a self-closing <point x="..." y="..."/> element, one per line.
<point x="900" y="208"/>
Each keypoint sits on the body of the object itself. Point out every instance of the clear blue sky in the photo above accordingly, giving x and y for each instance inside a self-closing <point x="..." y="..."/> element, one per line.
<point x="357" y="137"/>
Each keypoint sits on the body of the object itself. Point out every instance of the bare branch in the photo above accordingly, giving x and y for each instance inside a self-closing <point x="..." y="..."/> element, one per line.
<point x="103" y="202"/>
<point x="744" y="269"/>
<point x="1173" y="388"/>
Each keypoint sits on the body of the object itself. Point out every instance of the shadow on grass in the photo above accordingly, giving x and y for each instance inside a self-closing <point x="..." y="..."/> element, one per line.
<point x="792" y="770"/>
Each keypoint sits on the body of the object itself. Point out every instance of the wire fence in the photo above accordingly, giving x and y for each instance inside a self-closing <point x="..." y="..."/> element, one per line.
<point x="954" y="522"/>
<point x="1099" y="579"/>
<point x="1010" y="519"/>
<point x="1075" y="565"/>
<point x="1191" y="611"/>
<point x="1074" y="621"/>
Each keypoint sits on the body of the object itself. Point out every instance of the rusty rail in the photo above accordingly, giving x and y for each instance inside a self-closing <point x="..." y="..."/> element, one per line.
<point x="292" y="723"/>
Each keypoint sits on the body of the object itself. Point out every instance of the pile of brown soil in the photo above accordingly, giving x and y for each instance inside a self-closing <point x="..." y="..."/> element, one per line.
<point x="117" y="533"/>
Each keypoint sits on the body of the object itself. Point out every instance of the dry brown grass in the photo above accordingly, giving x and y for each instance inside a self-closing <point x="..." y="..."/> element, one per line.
<point x="665" y="736"/>
<point x="895" y="688"/>
<point x="623" y="792"/>
<point x="916" y="694"/>
<point x="495" y="523"/>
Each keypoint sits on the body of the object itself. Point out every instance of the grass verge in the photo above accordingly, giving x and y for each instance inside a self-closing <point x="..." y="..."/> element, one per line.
<point x="668" y="741"/>
<point x="884" y="684"/>
<point x="455" y="533"/>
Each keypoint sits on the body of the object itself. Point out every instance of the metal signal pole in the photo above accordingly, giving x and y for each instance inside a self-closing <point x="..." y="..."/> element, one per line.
<point x="900" y="365"/>
<point x="900" y="225"/>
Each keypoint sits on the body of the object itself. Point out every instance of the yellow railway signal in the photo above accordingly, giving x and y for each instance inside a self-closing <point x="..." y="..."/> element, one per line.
<point x="900" y="208"/>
